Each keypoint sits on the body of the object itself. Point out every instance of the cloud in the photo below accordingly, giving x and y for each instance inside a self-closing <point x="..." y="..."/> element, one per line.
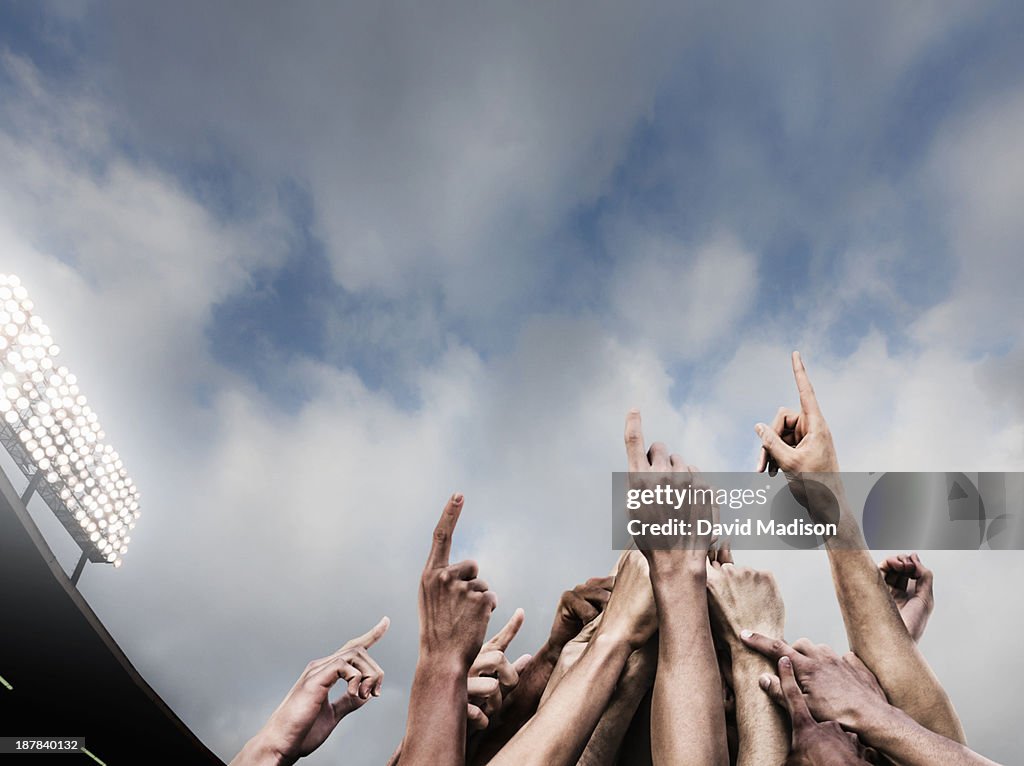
<point x="682" y="299"/>
<point x="434" y="142"/>
<point x="718" y="186"/>
<point x="977" y="170"/>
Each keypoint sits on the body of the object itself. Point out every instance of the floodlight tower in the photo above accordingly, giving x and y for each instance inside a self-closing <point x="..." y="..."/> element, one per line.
<point x="55" y="438"/>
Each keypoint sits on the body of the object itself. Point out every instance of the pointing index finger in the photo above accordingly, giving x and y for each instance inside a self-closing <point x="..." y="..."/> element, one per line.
<point x="370" y="637"/>
<point x="636" y="455"/>
<point x="808" y="401"/>
<point x="504" y="636"/>
<point x="374" y="634"/>
<point x="441" y="547"/>
<point x="773" y="648"/>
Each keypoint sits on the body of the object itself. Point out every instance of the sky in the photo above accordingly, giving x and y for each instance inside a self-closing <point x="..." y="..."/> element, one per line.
<point x="317" y="266"/>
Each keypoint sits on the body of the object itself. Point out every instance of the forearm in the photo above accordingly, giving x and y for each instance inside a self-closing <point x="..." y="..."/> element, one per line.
<point x="903" y="740"/>
<point x="435" y="733"/>
<point x="763" y="731"/>
<point x="569" y="656"/>
<point x="635" y="682"/>
<point x="687" y="713"/>
<point x="395" y="756"/>
<point x="877" y="634"/>
<point x="557" y="734"/>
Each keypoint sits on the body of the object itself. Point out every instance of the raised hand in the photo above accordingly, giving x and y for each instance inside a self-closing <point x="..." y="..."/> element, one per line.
<point x="307" y="716"/>
<point x="743" y="598"/>
<point x="455" y="607"/>
<point x="654" y="467"/>
<point x="577" y="607"/>
<point x="492" y="676"/>
<point x="836" y="688"/>
<point x="910" y="583"/>
<point x="454" y="604"/>
<point x="631" y="615"/>
<point x="813" y="743"/>
<point x="576" y="616"/>
<point x="798" y="441"/>
<point x="687" y="716"/>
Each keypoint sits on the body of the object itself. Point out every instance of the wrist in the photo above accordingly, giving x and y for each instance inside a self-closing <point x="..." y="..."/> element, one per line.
<point x="848" y="534"/>
<point x="548" y="654"/>
<point x="740" y="651"/>
<point x="260" y="751"/>
<point x="608" y="641"/>
<point x="748" y="662"/>
<point x="443" y="661"/>
<point x="870" y="719"/>
<point x="679" y="572"/>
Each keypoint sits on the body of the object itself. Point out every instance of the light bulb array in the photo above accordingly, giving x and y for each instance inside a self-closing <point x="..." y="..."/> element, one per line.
<point x="49" y="427"/>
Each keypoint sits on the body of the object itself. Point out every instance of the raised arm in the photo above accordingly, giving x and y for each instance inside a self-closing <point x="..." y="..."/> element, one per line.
<point x="687" y="711"/>
<point x="576" y="610"/>
<point x="800" y="443"/>
<point x="491" y="678"/>
<point x="557" y="734"/>
<point x="741" y="597"/>
<point x="455" y="607"/>
<point x="306" y="717"/>
<point x="844" y="691"/>
<point x="603" y="747"/>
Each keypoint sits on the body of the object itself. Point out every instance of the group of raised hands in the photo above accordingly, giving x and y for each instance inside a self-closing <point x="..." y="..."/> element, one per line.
<point x="678" y="656"/>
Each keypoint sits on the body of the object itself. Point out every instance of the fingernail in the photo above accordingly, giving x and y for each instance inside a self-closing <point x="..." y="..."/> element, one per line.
<point x="634" y="411"/>
<point x="760" y="429"/>
<point x="457" y="498"/>
<point x="784" y="661"/>
<point x="745" y="634"/>
<point x="764" y="681"/>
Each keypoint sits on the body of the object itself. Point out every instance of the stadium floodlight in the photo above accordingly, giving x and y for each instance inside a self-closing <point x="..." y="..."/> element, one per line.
<point x="55" y="438"/>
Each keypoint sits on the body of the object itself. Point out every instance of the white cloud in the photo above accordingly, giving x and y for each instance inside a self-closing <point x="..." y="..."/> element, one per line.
<point x="681" y="299"/>
<point x="271" y="536"/>
<point x="976" y="169"/>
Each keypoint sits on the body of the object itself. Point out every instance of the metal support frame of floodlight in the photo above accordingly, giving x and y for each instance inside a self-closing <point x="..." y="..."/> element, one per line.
<point x="54" y="437"/>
